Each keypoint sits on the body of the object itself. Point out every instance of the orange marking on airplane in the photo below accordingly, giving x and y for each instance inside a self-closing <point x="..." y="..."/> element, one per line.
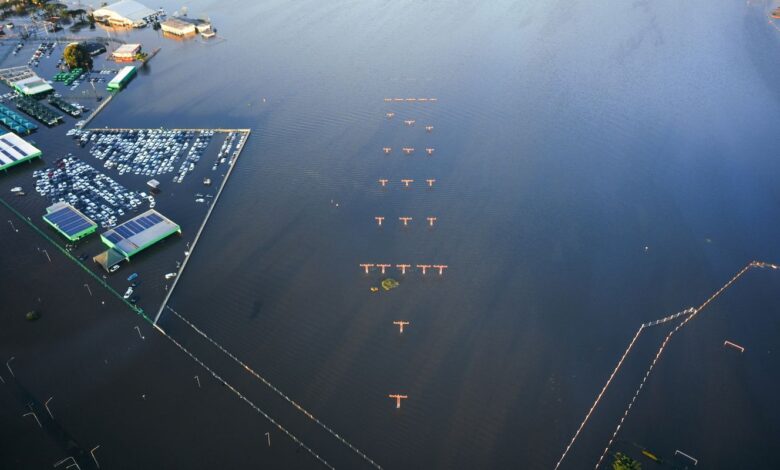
<point x="401" y="325"/>
<point x="398" y="399"/>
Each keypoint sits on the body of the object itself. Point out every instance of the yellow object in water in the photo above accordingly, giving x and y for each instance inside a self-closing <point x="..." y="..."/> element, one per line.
<point x="389" y="283"/>
<point x="650" y="455"/>
<point x="374" y="289"/>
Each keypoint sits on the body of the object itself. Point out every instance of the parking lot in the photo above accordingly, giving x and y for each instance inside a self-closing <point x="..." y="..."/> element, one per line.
<point x="95" y="194"/>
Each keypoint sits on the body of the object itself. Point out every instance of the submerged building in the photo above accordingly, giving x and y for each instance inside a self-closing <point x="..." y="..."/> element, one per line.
<point x="126" y="52"/>
<point x="178" y="27"/>
<point x="135" y="235"/>
<point x="127" y="13"/>
<point x="69" y="221"/>
<point x="15" y="150"/>
<point x="122" y="78"/>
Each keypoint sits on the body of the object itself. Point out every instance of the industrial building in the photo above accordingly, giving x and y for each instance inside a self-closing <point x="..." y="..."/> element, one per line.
<point x="127" y="13"/>
<point x="15" y="150"/>
<point x="126" y="52"/>
<point x="178" y="27"/>
<point x="121" y="79"/>
<point x="133" y="236"/>
<point x="25" y="81"/>
<point x="67" y="220"/>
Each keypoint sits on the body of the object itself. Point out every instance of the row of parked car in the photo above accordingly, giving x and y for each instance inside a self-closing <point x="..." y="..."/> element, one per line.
<point x="93" y="193"/>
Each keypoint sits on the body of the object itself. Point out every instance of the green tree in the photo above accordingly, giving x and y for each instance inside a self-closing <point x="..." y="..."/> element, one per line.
<point x="76" y="55"/>
<point x="624" y="462"/>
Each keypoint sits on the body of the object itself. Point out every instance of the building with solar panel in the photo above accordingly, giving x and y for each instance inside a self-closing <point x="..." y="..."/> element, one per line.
<point x="133" y="236"/>
<point x="15" y="150"/>
<point x="67" y="220"/>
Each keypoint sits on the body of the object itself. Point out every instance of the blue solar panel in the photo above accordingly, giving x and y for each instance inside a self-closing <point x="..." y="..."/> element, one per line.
<point x="144" y="222"/>
<point x="154" y="218"/>
<point x="122" y="230"/>
<point x="113" y="237"/>
<point x="134" y="227"/>
<point x="68" y="221"/>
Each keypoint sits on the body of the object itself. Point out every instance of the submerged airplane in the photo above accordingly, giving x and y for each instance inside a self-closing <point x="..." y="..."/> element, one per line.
<point x="401" y="325"/>
<point x="398" y="399"/>
<point x="440" y="267"/>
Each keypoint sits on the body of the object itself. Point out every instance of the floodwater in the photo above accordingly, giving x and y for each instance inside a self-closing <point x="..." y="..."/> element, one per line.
<point x="597" y="165"/>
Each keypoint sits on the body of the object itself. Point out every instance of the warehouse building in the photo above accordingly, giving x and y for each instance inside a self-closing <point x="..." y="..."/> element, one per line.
<point x="178" y="27"/>
<point x="67" y="220"/>
<point x="134" y="236"/>
<point x="126" y="13"/>
<point x="126" y="52"/>
<point x="121" y="79"/>
<point x="15" y="150"/>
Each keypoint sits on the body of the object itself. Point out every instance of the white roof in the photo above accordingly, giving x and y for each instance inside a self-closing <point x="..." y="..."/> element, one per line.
<point x="129" y="9"/>
<point x="126" y="49"/>
<point x="33" y="85"/>
<point x="13" y="148"/>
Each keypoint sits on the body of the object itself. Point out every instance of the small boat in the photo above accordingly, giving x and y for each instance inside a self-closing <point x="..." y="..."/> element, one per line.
<point x="128" y="292"/>
<point x="113" y="268"/>
<point x="776" y="13"/>
<point x="16" y="189"/>
<point x="170" y="275"/>
<point x="132" y="276"/>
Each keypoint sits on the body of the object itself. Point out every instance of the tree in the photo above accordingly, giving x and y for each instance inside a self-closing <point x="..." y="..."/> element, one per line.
<point x="76" y="55"/>
<point x="624" y="462"/>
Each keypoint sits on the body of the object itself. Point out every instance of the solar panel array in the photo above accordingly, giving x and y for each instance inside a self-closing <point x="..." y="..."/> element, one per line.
<point x="132" y="227"/>
<point x="69" y="221"/>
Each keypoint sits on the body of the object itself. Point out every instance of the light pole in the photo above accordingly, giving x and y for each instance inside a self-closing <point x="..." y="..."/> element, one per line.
<point x="8" y="365"/>
<point x="46" y="405"/>
<point x="92" y="453"/>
